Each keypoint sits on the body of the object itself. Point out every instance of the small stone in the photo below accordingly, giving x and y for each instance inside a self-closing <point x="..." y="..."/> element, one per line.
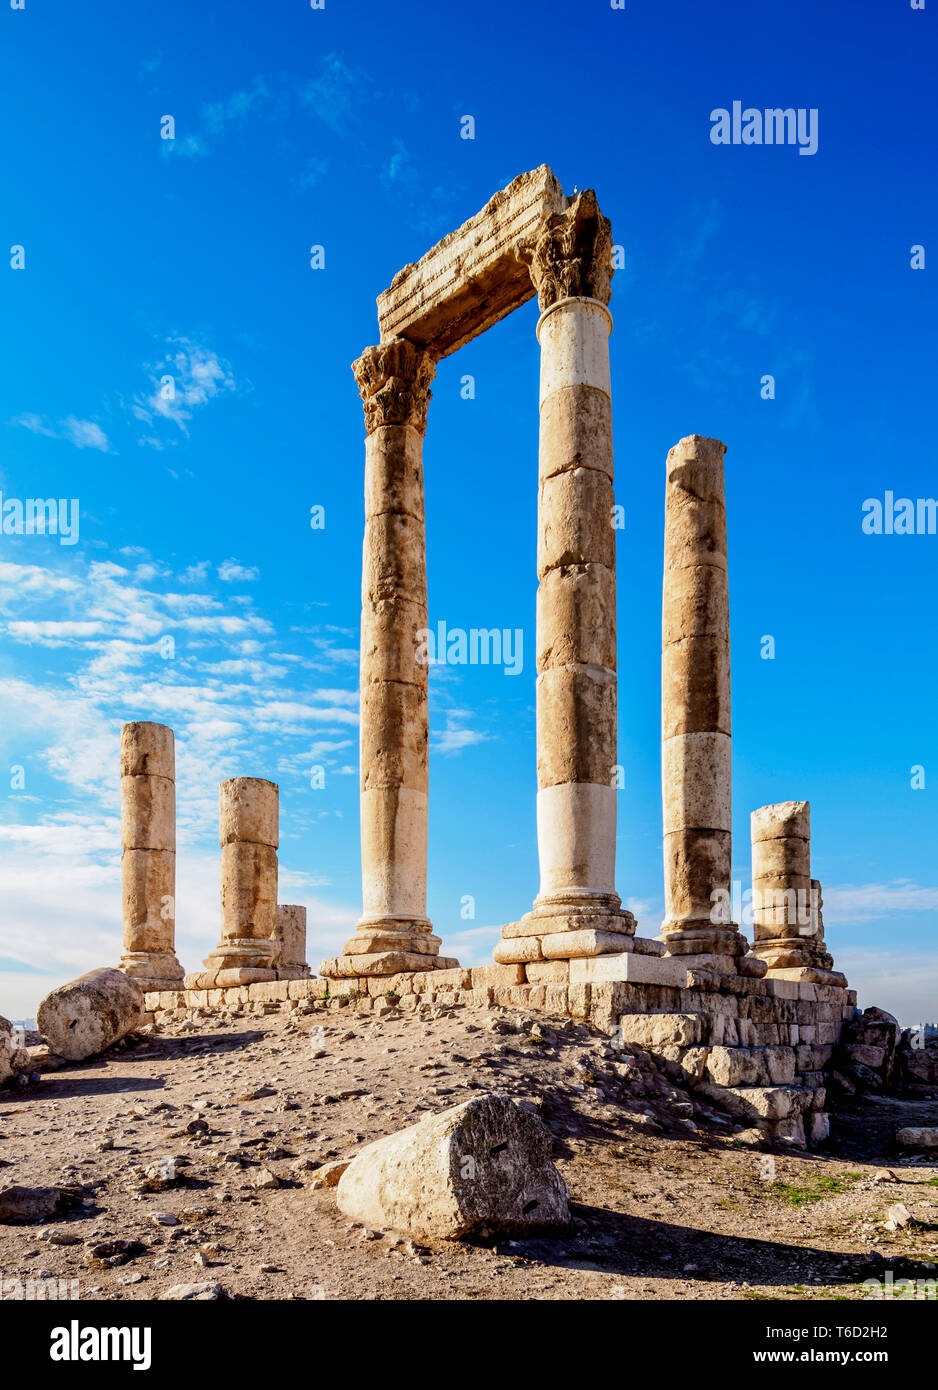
<point x="111" y="1253"/>
<point x="329" y="1174"/>
<point x="159" y="1176"/>
<point x="898" y="1216"/>
<point x="164" y="1218"/>
<point x="265" y="1180"/>
<point x="194" y="1293"/>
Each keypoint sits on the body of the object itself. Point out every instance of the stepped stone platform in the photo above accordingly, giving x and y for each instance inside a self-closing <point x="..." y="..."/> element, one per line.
<point x="761" y="1047"/>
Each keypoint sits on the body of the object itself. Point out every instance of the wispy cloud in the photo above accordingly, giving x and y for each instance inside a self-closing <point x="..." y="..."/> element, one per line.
<point x="332" y="94"/>
<point x="184" y="379"/>
<point x="230" y="572"/>
<point x="866" y="902"/>
<point x="906" y="985"/>
<point x="457" y="735"/>
<point x="215" y="118"/>
<point x="233" y="697"/>
<point x="84" y="434"/>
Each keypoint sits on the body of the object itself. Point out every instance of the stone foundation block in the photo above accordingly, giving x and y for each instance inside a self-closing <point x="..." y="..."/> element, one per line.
<point x="518" y="950"/>
<point x="547" y="972"/>
<point x="661" y="1030"/>
<point x="566" y="945"/>
<point x="486" y="976"/>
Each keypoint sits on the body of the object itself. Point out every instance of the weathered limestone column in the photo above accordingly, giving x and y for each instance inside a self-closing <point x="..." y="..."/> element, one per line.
<point x="577" y="906"/>
<point x="249" y="814"/>
<point x="148" y="862"/>
<point x="90" y="1014"/>
<point x="788" y="925"/>
<point x="696" y="747"/>
<point x="290" y="943"/>
<point x="394" y="933"/>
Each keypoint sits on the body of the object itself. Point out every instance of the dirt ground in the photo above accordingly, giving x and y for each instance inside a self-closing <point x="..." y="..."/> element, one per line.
<point x="668" y="1204"/>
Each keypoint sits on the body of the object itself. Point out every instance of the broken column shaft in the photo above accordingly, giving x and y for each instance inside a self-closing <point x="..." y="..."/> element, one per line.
<point x="249" y="835"/>
<point x="148" y="861"/>
<point x="788" y="927"/>
<point x="290" y="938"/>
<point x="696" y="749"/>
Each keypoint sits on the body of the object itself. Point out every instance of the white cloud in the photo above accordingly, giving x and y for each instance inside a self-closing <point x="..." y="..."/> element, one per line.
<point x="230" y="572"/>
<point x="195" y="573"/>
<point x="84" y="434"/>
<point x="185" y="379"/>
<point x="456" y="736"/>
<point x="865" y="902"/>
<point x="234" y="709"/>
<point x="215" y="117"/>
<point x="906" y="985"/>
<point x="52" y="634"/>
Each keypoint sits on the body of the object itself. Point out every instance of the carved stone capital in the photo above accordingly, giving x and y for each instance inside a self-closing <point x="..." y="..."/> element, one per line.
<point x="571" y="255"/>
<point x="394" y="382"/>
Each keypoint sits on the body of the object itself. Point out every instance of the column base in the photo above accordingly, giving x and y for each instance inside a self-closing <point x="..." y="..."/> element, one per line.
<point x="249" y="958"/>
<point x="700" y="943"/>
<point x="379" y="942"/>
<point x="783" y="955"/>
<point x="567" y="926"/>
<point x="152" y="970"/>
<point x="294" y="972"/>
<point x="808" y="974"/>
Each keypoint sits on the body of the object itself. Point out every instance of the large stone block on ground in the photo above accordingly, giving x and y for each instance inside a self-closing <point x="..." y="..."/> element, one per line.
<point x="474" y="276"/>
<point x="90" y="1014"/>
<point x="918" y="1138"/>
<point x="484" y="1163"/>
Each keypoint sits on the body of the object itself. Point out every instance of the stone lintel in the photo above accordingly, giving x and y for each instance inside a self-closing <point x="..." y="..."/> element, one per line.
<point x="474" y="276"/>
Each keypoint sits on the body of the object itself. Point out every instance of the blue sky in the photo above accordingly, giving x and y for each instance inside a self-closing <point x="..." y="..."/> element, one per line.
<point x="341" y="128"/>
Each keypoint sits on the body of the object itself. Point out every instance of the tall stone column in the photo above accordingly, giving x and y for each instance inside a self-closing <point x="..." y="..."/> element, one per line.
<point x="788" y="926"/>
<point x="696" y="748"/>
<point x="577" y="905"/>
<point x="394" y="932"/>
<point x="249" y="815"/>
<point x="148" y="862"/>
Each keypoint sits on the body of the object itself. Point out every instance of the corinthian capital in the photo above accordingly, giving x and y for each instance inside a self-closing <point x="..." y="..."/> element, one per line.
<point x="571" y="256"/>
<point x="394" y="382"/>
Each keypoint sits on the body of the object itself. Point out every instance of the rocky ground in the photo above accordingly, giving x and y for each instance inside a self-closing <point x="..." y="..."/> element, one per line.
<point x="669" y="1200"/>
